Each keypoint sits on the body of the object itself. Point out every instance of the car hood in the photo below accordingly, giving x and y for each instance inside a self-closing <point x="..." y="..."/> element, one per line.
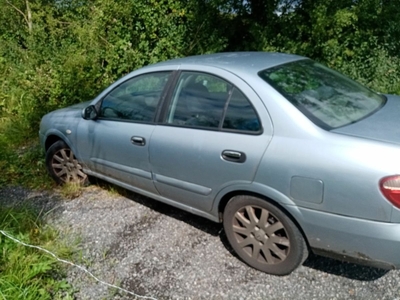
<point x="74" y="108"/>
<point x="383" y="125"/>
<point x="64" y="116"/>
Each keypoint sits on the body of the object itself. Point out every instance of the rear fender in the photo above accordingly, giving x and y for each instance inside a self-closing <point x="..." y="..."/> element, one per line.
<point x="251" y="188"/>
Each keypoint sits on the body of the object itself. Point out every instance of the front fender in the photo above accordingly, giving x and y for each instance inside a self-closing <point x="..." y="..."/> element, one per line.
<point x="59" y="134"/>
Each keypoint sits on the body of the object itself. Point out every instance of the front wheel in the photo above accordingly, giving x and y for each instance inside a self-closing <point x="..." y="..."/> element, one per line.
<point x="263" y="236"/>
<point x="63" y="165"/>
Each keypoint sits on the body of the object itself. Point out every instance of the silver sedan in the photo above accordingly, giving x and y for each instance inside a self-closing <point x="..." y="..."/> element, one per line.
<point x="288" y="154"/>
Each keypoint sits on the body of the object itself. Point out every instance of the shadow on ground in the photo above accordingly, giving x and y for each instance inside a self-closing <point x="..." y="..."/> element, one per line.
<point x="344" y="269"/>
<point x="41" y="202"/>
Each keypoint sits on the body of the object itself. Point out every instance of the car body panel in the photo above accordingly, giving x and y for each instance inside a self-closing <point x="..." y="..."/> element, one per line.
<point x="253" y="188"/>
<point x="381" y="126"/>
<point x="248" y="63"/>
<point x="157" y="196"/>
<point x="347" y="191"/>
<point x="368" y="242"/>
<point x="63" y="124"/>
<point x="187" y="155"/>
<point x="107" y="149"/>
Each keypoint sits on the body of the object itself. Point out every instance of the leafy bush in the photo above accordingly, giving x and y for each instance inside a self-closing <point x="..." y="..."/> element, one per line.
<point x="76" y="48"/>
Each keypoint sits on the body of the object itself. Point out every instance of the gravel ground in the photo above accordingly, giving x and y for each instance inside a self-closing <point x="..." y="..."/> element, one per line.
<point x="155" y="250"/>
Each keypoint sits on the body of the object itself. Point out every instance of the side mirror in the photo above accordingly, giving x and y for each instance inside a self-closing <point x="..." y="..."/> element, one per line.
<point x="90" y="113"/>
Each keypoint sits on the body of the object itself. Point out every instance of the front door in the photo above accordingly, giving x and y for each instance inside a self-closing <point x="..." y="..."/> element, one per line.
<point x="117" y="143"/>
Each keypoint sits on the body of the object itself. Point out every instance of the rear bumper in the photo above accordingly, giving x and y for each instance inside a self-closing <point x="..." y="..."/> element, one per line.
<point x="363" y="241"/>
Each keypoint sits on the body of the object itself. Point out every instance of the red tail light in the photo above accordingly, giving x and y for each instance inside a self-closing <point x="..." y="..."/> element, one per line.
<point x="390" y="188"/>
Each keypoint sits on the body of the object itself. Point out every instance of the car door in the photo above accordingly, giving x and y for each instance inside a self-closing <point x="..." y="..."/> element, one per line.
<point x="117" y="142"/>
<point x="213" y="135"/>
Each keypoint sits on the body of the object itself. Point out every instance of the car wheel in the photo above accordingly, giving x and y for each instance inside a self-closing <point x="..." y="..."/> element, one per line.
<point x="63" y="165"/>
<point x="263" y="236"/>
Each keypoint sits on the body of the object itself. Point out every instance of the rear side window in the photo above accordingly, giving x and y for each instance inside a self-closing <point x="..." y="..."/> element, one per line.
<point x="206" y="101"/>
<point x="240" y="114"/>
<point x="198" y="100"/>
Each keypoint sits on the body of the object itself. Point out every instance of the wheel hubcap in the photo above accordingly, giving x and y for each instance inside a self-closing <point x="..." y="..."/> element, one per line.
<point x="66" y="167"/>
<point x="260" y="236"/>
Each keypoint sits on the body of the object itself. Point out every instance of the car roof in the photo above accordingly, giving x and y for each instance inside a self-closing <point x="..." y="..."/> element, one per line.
<point x="248" y="62"/>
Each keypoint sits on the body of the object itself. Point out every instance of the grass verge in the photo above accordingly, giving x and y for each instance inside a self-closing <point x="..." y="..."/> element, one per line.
<point x="23" y="163"/>
<point x="27" y="273"/>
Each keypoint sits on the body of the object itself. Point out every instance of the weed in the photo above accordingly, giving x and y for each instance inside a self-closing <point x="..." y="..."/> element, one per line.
<point x="105" y="253"/>
<point x="113" y="189"/>
<point x="71" y="190"/>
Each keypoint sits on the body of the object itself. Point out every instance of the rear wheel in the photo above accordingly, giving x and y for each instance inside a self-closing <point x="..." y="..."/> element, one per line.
<point x="63" y="165"/>
<point x="263" y="236"/>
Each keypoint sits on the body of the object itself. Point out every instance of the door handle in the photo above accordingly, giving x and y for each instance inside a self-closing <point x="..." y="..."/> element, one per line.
<point x="137" y="140"/>
<point x="234" y="156"/>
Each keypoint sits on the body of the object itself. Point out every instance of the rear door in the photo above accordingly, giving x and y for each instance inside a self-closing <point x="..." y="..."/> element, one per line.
<point x="214" y="134"/>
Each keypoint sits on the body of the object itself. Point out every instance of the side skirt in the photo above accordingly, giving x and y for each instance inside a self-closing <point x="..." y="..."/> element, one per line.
<point x="156" y="197"/>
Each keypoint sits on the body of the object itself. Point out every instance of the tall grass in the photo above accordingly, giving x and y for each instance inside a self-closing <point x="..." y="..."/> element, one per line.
<point x="27" y="273"/>
<point x="22" y="163"/>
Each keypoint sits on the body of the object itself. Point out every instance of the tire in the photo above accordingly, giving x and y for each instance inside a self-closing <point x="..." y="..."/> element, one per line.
<point x="263" y="236"/>
<point x="63" y="166"/>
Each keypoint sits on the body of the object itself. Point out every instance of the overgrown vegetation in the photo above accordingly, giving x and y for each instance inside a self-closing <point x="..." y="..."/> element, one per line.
<point x="27" y="273"/>
<point x="56" y="53"/>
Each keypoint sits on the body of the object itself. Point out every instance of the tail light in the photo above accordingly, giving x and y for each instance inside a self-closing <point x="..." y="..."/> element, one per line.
<point x="390" y="188"/>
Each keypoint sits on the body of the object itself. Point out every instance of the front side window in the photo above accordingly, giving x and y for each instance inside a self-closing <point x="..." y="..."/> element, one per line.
<point x="136" y="99"/>
<point x="326" y="97"/>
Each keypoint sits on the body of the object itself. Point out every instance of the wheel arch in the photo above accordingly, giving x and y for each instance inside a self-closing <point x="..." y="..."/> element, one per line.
<point x="51" y="139"/>
<point x="54" y="136"/>
<point x="279" y="204"/>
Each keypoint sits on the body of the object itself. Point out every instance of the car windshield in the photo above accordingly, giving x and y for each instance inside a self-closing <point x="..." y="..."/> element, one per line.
<point x="326" y="97"/>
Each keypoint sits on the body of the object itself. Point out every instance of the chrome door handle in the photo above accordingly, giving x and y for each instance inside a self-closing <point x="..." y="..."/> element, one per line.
<point x="234" y="156"/>
<point x="137" y="140"/>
